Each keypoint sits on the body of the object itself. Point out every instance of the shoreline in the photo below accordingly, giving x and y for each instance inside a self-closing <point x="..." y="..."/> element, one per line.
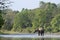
<point x="17" y="33"/>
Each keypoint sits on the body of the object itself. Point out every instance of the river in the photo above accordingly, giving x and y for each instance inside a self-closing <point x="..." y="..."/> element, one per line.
<point x="29" y="37"/>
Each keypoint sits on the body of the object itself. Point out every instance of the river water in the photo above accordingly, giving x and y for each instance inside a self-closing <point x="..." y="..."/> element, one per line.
<point x="29" y="37"/>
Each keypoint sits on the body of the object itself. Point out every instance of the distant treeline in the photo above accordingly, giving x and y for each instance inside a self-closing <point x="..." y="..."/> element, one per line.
<point x="47" y="15"/>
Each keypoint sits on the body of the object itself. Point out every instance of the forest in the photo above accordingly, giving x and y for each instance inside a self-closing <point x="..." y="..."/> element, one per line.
<point x="47" y="15"/>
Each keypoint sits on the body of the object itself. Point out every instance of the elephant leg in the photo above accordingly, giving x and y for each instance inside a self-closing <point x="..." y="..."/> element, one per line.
<point x="38" y="33"/>
<point x="42" y="34"/>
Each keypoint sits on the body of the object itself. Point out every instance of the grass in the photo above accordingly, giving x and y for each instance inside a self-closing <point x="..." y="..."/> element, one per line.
<point x="13" y="32"/>
<point x="8" y="32"/>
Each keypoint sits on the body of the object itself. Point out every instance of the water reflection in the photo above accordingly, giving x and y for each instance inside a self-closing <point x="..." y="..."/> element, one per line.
<point x="1" y="38"/>
<point x="42" y="38"/>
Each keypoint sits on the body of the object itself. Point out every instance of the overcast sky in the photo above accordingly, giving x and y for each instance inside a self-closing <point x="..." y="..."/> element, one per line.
<point x="29" y="4"/>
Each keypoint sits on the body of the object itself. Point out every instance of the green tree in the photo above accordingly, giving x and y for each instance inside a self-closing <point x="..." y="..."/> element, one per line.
<point x="9" y="17"/>
<point x="56" y="23"/>
<point x="47" y="13"/>
<point x="1" y="19"/>
<point x="21" y="20"/>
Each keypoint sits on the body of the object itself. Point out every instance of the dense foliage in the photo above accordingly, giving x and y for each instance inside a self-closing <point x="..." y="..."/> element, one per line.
<point x="47" y="15"/>
<point x="1" y="19"/>
<point x="44" y="16"/>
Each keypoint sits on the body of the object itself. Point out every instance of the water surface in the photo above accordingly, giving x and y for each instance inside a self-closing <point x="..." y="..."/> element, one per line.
<point x="29" y="37"/>
<point x="1" y="38"/>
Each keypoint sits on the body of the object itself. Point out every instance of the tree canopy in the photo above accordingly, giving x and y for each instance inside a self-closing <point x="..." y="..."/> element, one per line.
<point x="47" y="15"/>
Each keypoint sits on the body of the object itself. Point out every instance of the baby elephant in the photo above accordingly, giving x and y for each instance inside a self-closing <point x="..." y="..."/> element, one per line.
<point x="40" y="31"/>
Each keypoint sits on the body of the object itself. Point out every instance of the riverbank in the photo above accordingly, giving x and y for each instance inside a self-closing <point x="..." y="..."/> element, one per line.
<point x="8" y="32"/>
<point x="12" y="32"/>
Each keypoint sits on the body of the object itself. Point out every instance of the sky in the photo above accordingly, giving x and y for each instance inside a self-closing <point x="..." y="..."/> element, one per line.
<point x="29" y="4"/>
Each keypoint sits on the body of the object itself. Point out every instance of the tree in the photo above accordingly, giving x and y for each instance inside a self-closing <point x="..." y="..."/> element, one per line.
<point x="4" y="4"/>
<point x="56" y="23"/>
<point x="21" y="20"/>
<point x="9" y="17"/>
<point x="1" y="19"/>
<point x="47" y="13"/>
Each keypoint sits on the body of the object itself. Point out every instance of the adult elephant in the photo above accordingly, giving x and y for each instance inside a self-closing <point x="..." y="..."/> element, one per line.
<point x="40" y="31"/>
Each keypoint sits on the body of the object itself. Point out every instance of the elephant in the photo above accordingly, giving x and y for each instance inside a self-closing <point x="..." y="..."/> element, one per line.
<point x="40" y="31"/>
